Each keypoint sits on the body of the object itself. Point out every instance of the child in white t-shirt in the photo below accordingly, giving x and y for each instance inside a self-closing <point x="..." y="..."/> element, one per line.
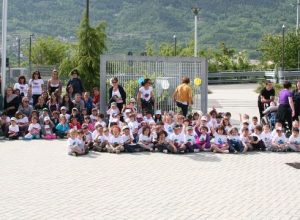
<point x="220" y="144"/>
<point x="294" y="140"/>
<point x="279" y="141"/>
<point x="266" y="137"/>
<point x="177" y="140"/>
<point x="98" y="139"/>
<point x="234" y="141"/>
<point x="13" y="129"/>
<point x="190" y="140"/>
<point x="115" y="141"/>
<point x="34" y="129"/>
<point x="75" y="146"/>
<point x="145" y="139"/>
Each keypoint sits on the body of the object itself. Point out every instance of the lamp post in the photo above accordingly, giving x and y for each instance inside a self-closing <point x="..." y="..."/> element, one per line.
<point x="19" y="51"/>
<point x="175" y="44"/>
<point x="3" y="49"/>
<point x="196" y="11"/>
<point x="283" y="32"/>
<point x="298" y="5"/>
<point x="30" y="43"/>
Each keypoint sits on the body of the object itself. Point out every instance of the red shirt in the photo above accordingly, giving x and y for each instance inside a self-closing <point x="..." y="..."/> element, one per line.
<point x="96" y="99"/>
<point x="76" y="126"/>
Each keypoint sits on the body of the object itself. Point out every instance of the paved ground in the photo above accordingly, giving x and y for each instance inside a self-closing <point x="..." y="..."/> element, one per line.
<point x="39" y="181"/>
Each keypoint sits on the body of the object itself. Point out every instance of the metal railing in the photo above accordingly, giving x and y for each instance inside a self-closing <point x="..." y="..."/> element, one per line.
<point x="252" y="77"/>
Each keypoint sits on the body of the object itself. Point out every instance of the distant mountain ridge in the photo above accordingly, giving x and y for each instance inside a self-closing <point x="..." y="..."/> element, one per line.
<point x="131" y="23"/>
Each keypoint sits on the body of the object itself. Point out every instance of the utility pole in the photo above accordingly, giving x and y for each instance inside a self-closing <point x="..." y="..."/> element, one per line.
<point x="298" y="8"/>
<point x="283" y="32"/>
<point x="88" y="10"/>
<point x="175" y="44"/>
<point x="30" y="43"/>
<point x="3" y="52"/>
<point x="196" y="11"/>
<point x="19" y="51"/>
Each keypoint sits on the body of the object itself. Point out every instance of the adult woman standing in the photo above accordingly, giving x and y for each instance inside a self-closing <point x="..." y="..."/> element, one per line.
<point x="22" y="86"/>
<point x="36" y="84"/>
<point x="183" y="96"/>
<point x="145" y="97"/>
<point x="296" y="99"/>
<point x="54" y="83"/>
<point x="286" y="110"/>
<point x="11" y="102"/>
<point x="117" y="93"/>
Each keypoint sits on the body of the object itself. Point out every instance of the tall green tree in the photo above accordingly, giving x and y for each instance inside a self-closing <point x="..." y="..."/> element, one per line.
<point x="48" y="51"/>
<point x="85" y="55"/>
<point x="91" y="44"/>
<point x="271" y="48"/>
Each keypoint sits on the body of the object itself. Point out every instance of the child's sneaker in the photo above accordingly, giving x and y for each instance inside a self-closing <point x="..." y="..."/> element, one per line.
<point x="74" y="154"/>
<point x="165" y="151"/>
<point x="226" y="151"/>
<point x="196" y="150"/>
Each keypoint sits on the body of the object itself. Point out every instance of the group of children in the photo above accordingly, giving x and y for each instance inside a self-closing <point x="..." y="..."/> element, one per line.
<point x="129" y="131"/>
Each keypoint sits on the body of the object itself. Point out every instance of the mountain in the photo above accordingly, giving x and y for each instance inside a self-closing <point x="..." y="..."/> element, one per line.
<point x="131" y="23"/>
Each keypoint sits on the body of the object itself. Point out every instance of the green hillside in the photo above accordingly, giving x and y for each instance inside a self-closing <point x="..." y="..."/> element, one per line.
<point x="131" y="23"/>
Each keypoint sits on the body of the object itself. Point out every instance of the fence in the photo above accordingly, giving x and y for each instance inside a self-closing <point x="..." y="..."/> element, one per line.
<point x="252" y="77"/>
<point x="165" y="72"/>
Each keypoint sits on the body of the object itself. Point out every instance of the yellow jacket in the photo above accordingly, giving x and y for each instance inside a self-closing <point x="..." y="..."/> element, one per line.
<point x="183" y="93"/>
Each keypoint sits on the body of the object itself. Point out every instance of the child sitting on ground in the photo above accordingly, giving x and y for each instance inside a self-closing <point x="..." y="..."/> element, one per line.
<point x="34" y="130"/>
<point x="234" y="141"/>
<point x="62" y="128"/>
<point x="47" y="129"/>
<point x="115" y="141"/>
<point x="279" y="141"/>
<point x="145" y="139"/>
<point x="294" y="140"/>
<point x="220" y="144"/>
<point x="13" y="129"/>
<point x="203" y="139"/>
<point x="177" y="140"/>
<point x="75" y="146"/>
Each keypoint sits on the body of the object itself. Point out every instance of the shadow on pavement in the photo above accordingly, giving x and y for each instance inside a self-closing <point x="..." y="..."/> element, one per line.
<point x="205" y="157"/>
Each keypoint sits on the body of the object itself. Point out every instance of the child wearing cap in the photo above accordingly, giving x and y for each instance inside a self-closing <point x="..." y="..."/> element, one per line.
<point x="157" y="116"/>
<point x="47" y="129"/>
<point x="63" y="112"/>
<point x="220" y="144"/>
<point x="115" y="141"/>
<point x="75" y="146"/>
<point x="113" y="110"/>
<point x="279" y="141"/>
<point x="34" y="129"/>
<point x="294" y="140"/>
<point x="13" y="129"/>
<point x="176" y="140"/>
<point x="62" y="127"/>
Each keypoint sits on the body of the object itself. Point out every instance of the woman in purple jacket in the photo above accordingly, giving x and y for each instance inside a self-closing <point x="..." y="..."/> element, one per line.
<point x="286" y="109"/>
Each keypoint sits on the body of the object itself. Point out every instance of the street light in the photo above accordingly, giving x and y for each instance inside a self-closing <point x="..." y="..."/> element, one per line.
<point x="3" y="48"/>
<point x="196" y="11"/>
<point x="283" y="32"/>
<point x="175" y="44"/>
<point x="30" y="43"/>
<point x="19" y="51"/>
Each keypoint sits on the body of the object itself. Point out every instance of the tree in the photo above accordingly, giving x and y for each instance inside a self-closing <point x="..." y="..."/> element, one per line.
<point x="271" y="49"/>
<point x="86" y="54"/>
<point x="48" y="51"/>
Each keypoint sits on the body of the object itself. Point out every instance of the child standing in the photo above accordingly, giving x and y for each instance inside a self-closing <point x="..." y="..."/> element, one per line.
<point x="34" y="129"/>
